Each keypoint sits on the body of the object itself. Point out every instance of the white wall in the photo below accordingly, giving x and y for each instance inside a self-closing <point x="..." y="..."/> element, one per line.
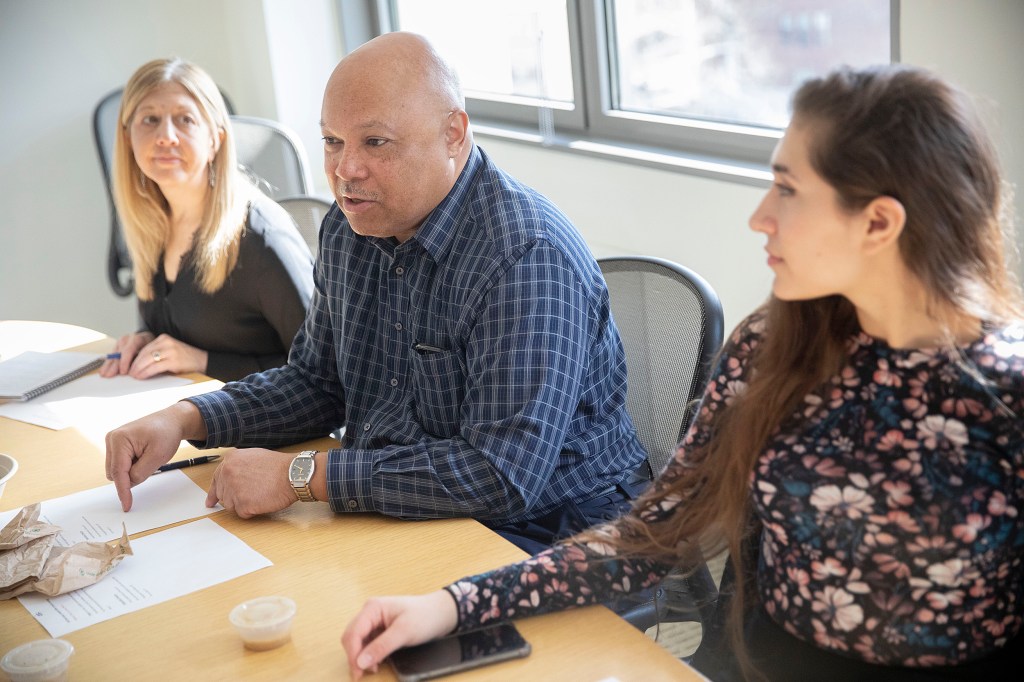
<point x="978" y="46"/>
<point x="306" y="45"/>
<point x="273" y="57"/>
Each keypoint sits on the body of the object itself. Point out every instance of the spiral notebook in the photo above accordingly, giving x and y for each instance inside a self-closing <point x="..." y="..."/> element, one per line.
<point x="31" y="374"/>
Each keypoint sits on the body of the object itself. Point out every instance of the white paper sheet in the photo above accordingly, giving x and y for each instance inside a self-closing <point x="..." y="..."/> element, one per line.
<point x="165" y="565"/>
<point x="18" y="336"/>
<point x="96" y="405"/>
<point x="95" y="515"/>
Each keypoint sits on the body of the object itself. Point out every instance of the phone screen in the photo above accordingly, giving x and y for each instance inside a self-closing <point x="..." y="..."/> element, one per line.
<point x="459" y="652"/>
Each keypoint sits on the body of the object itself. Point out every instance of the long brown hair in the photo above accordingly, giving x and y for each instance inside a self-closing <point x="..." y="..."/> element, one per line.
<point x="888" y="131"/>
<point x="141" y="205"/>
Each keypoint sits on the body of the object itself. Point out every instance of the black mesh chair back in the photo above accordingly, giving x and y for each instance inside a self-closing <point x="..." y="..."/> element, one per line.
<point x="273" y="155"/>
<point x="308" y="213"/>
<point x="671" y="324"/>
<point x="104" y="130"/>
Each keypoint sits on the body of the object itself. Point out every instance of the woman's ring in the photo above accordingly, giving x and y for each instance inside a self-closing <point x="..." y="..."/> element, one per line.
<point x="156" y="356"/>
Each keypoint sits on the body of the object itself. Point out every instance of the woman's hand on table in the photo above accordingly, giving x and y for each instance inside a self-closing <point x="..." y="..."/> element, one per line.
<point x="143" y="356"/>
<point x="127" y="347"/>
<point x="388" y="623"/>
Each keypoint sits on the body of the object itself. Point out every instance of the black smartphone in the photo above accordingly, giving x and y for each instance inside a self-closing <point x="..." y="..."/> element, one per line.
<point x="459" y="652"/>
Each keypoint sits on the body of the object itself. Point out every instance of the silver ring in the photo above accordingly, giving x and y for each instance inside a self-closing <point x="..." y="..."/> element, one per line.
<point x="156" y="356"/>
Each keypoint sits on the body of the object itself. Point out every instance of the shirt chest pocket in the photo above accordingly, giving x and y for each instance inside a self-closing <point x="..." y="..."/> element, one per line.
<point x="438" y="389"/>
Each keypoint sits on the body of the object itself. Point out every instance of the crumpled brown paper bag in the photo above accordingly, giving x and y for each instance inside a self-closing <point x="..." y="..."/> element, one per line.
<point x="29" y="562"/>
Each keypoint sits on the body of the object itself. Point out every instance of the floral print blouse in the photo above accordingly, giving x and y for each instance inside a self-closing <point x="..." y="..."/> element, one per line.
<point x="892" y="512"/>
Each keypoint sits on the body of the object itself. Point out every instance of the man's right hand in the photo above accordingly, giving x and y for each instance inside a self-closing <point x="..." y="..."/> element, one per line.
<point x="135" y="450"/>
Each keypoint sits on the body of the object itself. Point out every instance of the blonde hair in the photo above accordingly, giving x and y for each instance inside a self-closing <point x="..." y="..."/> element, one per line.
<point x="142" y="207"/>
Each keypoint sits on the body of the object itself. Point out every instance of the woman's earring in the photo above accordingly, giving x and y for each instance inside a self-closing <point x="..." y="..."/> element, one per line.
<point x="213" y="174"/>
<point x="142" y="179"/>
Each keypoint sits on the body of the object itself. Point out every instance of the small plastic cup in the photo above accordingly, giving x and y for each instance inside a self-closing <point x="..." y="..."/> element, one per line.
<point x="264" y="623"/>
<point x="8" y="466"/>
<point x="44" y="660"/>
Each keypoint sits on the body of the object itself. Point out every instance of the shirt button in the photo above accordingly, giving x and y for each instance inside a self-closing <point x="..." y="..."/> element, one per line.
<point x="398" y="326"/>
<point x="399" y="270"/>
<point x="352" y="504"/>
<point x="394" y="382"/>
<point x="366" y="426"/>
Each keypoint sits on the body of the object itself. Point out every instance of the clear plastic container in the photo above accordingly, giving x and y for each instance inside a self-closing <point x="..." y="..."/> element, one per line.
<point x="44" y="660"/>
<point x="8" y="467"/>
<point x="265" y="622"/>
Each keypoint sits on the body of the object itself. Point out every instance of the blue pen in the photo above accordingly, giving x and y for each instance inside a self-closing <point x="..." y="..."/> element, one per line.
<point x="113" y="356"/>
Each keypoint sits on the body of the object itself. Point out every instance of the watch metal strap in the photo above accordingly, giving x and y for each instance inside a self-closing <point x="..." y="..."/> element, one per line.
<point x="303" y="492"/>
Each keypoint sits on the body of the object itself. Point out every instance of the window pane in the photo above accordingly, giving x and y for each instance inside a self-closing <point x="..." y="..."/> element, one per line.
<point x="737" y="61"/>
<point x="509" y="49"/>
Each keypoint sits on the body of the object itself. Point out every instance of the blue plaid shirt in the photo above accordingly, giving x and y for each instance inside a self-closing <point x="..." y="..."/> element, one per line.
<point x="475" y="367"/>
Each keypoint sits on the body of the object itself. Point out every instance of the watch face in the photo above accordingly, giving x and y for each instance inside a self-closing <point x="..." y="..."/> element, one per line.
<point x="301" y="469"/>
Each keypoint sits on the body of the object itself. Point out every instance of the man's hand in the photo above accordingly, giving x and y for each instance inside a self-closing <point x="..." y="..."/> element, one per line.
<point x="252" y="481"/>
<point x="135" y="450"/>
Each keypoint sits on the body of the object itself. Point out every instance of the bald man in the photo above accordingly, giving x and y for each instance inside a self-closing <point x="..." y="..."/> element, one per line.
<point x="459" y="331"/>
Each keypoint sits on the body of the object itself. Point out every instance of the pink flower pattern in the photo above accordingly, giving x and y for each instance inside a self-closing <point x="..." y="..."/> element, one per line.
<point x="890" y="506"/>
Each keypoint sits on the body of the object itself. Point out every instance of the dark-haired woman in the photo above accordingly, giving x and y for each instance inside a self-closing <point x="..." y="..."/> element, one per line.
<point x="868" y="418"/>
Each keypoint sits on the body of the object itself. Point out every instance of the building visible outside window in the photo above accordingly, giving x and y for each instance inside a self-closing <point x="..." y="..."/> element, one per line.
<point x="709" y="77"/>
<point x="737" y="61"/>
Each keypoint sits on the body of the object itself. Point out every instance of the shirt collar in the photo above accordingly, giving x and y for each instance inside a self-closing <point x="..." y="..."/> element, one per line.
<point x="438" y="231"/>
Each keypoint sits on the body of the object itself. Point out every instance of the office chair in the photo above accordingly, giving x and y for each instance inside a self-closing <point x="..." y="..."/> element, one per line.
<point x="273" y="155"/>
<point x="104" y="130"/>
<point x="308" y="213"/>
<point x="671" y="324"/>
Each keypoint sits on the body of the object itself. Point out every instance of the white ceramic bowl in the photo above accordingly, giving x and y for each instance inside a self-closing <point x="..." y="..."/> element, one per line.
<point x="8" y="465"/>
<point x="44" y="660"/>
<point x="265" y="622"/>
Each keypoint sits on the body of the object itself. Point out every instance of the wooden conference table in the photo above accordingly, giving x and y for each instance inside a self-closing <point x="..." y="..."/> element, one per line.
<point x="329" y="564"/>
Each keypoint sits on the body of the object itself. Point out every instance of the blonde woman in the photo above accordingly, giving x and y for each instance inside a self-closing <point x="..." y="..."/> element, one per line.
<point x="222" y="275"/>
<point x="867" y="418"/>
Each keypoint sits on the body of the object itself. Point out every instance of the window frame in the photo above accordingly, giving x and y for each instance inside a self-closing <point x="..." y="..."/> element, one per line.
<point x="730" y="151"/>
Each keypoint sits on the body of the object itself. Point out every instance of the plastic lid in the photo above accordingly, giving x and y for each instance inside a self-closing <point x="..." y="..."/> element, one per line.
<point x="263" y="612"/>
<point x="41" y="658"/>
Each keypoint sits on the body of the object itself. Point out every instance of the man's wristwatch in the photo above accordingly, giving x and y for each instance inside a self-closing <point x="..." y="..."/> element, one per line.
<point x="300" y="473"/>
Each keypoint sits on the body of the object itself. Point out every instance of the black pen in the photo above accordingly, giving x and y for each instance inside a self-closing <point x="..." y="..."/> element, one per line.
<point x="181" y="464"/>
<point x="425" y="348"/>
